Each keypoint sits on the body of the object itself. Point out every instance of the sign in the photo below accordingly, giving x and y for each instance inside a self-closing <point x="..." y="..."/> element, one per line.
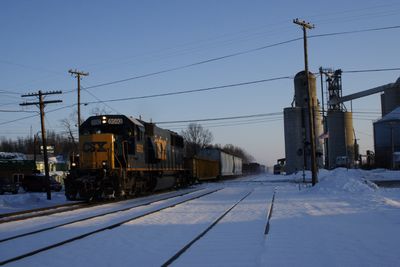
<point x="50" y="149"/>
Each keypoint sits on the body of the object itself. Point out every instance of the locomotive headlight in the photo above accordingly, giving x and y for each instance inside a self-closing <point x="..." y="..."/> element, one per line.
<point x="104" y="120"/>
<point x="73" y="164"/>
<point x="104" y="163"/>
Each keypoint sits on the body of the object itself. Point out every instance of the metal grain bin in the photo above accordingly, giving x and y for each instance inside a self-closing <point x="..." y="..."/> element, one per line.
<point x="390" y="99"/>
<point x="387" y="138"/>
<point x="341" y="137"/>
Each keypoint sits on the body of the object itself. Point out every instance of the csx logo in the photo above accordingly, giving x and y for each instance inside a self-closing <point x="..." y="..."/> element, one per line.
<point x="94" y="147"/>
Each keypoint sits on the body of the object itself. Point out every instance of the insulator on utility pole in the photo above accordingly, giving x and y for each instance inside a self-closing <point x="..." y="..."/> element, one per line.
<point x="305" y="26"/>
<point x="41" y="103"/>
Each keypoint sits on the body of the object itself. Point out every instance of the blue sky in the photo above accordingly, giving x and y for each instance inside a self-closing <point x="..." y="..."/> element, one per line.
<point x="115" y="40"/>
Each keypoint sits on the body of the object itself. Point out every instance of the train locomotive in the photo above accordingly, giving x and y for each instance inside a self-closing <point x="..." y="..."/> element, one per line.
<point x="123" y="156"/>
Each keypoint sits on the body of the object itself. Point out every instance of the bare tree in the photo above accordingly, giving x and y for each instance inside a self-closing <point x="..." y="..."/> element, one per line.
<point x="196" y="137"/>
<point x="70" y="126"/>
<point x="239" y="152"/>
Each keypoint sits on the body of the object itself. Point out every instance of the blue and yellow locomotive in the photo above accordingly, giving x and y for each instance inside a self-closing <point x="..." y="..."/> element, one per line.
<point x="122" y="156"/>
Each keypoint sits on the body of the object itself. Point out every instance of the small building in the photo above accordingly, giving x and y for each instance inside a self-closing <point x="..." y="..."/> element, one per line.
<point x="58" y="167"/>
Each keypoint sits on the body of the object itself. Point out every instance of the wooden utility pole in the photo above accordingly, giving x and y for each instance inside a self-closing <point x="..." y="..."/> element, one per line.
<point x="78" y="75"/>
<point x="41" y="105"/>
<point x="305" y="26"/>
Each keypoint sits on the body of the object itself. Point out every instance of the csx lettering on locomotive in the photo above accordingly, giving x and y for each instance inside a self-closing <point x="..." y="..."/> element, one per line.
<point x="94" y="147"/>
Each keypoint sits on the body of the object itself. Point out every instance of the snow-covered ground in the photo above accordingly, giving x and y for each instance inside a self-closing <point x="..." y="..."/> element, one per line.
<point x="29" y="200"/>
<point x="345" y="220"/>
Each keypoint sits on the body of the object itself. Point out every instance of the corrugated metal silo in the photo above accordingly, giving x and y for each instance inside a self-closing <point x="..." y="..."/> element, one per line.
<point x="390" y="99"/>
<point x="387" y="138"/>
<point x="341" y="136"/>
<point x="293" y="127"/>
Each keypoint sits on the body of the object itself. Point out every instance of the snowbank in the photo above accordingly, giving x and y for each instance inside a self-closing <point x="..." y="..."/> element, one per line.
<point x="343" y="180"/>
<point x="26" y="201"/>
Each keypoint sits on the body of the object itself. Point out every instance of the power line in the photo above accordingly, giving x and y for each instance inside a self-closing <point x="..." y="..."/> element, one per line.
<point x="354" y="31"/>
<point x="174" y="93"/>
<point x="193" y="64"/>
<point x="370" y="70"/>
<point x="14" y="111"/>
<point x="33" y="116"/>
<point x="232" y="123"/>
<point x="101" y="101"/>
<point x="190" y="91"/>
<point x="238" y="54"/>
<point x="8" y="92"/>
<point x="156" y="95"/>
<point x="221" y="118"/>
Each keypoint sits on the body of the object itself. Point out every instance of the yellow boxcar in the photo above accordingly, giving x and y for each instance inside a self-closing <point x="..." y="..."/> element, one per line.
<point x="204" y="169"/>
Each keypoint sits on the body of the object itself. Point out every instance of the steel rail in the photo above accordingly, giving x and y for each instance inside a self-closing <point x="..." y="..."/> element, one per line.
<point x="198" y="237"/>
<point x="16" y="216"/>
<point x="136" y="205"/>
<point x="112" y="226"/>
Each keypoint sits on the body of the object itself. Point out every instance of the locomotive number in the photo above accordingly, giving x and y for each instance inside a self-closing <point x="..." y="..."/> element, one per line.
<point x="115" y="121"/>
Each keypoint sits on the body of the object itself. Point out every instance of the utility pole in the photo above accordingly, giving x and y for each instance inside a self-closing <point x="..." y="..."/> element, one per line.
<point x="305" y="25"/>
<point x="42" y="104"/>
<point x="78" y="75"/>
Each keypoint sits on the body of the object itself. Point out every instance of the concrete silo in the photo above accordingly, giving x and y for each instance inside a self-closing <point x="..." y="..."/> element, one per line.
<point x="294" y="139"/>
<point x="296" y="126"/>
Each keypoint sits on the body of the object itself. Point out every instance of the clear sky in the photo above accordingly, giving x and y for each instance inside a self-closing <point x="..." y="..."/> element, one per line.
<point x="117" y="40"/>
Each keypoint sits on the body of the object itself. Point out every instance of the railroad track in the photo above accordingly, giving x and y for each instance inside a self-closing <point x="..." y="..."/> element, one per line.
<point x="28" y="214"/>
<point x="40" y="236"/>
<point x="33" y="213"/>
<point x="202" y="234"/>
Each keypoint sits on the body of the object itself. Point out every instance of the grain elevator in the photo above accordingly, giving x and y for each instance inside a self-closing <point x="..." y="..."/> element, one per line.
<point x="296" y="126"/>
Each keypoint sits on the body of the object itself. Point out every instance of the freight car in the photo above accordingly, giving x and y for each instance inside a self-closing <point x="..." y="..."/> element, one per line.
<point x="121" y="156"/>
<point x="229" y="165"/>
<point x="253" y="168"/>
<point x="202" y="169"/>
